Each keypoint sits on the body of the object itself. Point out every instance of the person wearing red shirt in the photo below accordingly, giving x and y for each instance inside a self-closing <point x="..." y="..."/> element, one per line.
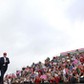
<point x="37" y="80"/>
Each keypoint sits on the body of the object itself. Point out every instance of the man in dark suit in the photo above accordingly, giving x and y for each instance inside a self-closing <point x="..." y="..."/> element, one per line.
<point x="4" y="61"/>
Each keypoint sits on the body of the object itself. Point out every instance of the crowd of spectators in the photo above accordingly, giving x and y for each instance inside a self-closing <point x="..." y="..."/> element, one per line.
<point x="68" y="69"/>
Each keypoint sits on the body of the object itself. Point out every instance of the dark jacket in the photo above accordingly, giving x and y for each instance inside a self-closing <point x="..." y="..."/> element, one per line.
<point x="2" y="62"/>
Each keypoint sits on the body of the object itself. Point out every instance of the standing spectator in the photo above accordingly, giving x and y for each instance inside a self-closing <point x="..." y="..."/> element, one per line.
<point x="4" y="61"/>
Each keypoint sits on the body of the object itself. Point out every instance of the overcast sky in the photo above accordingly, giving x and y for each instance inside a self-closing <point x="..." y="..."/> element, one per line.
<point x="32" y="30"/>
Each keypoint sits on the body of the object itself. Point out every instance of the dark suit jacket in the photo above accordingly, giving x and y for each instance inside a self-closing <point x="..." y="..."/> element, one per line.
<point x="2" y="62"/>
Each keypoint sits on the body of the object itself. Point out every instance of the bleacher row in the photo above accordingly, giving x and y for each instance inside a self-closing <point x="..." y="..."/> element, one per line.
<point x="68" y="68"/>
